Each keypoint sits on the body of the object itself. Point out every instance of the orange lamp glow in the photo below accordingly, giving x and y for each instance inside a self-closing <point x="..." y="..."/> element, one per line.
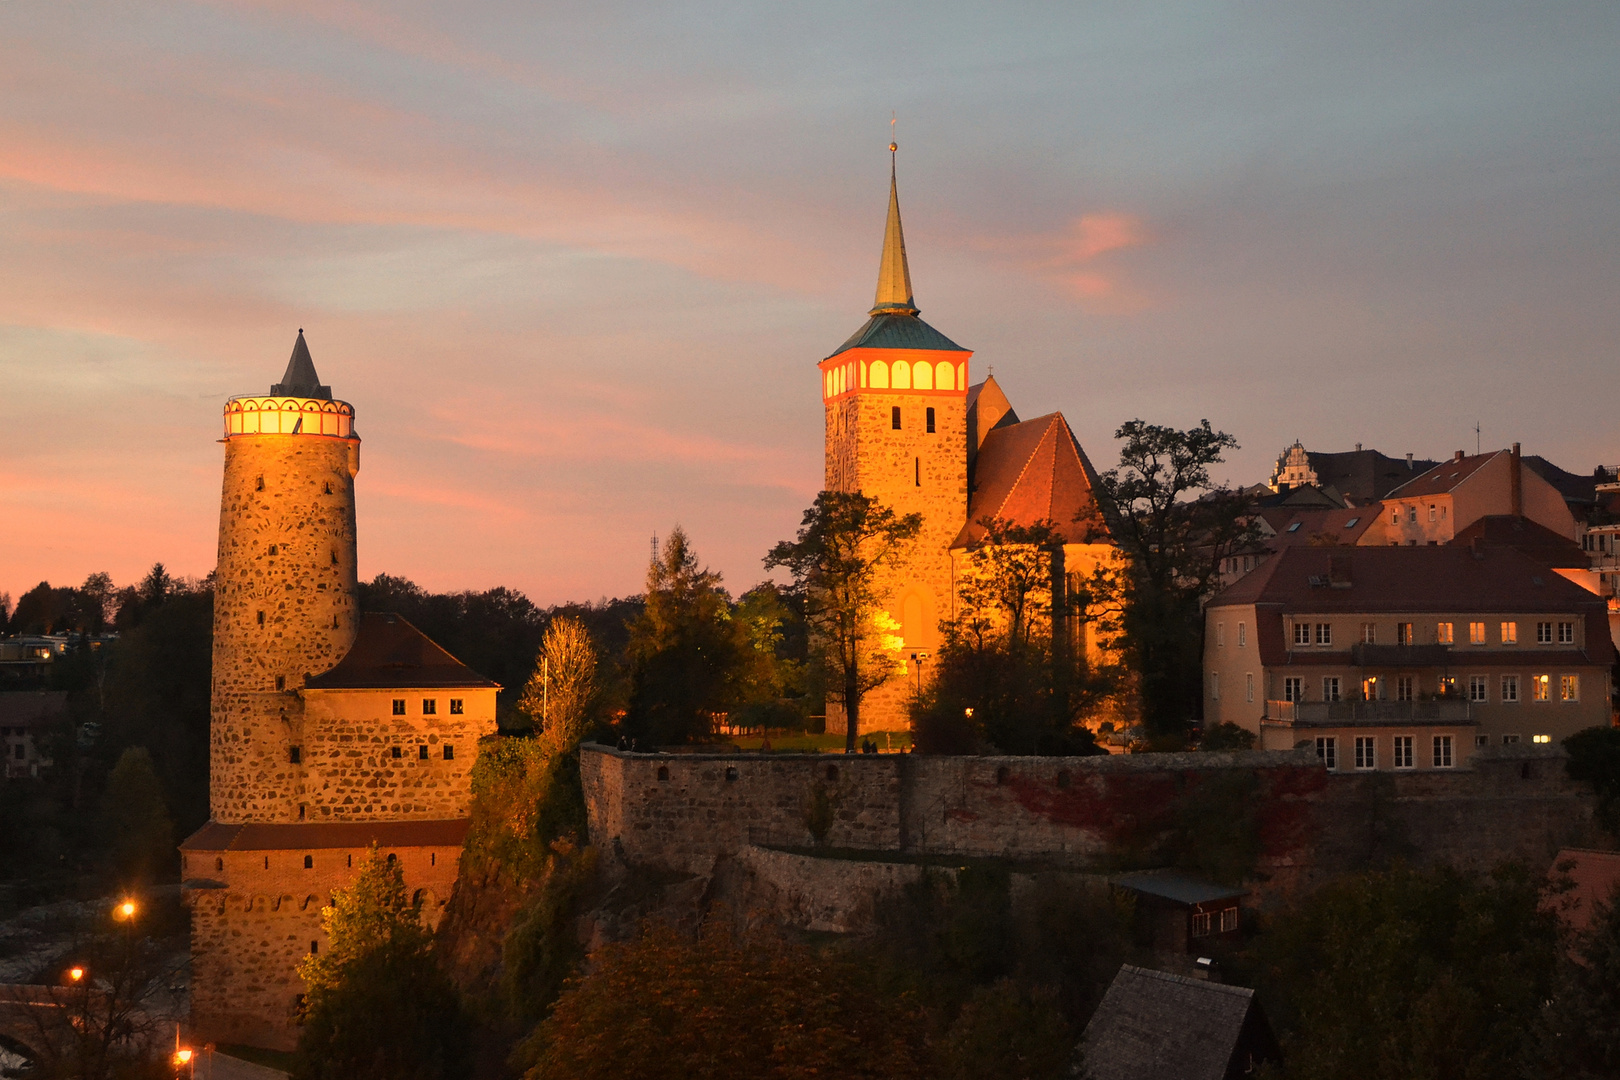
<point x="182" y="1056"/>
<point x="126" y="910"/>
<point x="76" y="973"/>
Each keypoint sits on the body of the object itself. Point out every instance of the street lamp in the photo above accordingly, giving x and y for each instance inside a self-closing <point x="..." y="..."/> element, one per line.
<point x="917" y="659"/>
<point x="75" y="974"/>
<point x="126" y="910"/>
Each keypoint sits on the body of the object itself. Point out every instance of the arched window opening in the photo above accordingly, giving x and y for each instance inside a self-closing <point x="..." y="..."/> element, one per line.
<point x="944" y="375"/>
<point x="922" y="376"/>
<point x="880" y="374"/>
<point x="900" y="376"/>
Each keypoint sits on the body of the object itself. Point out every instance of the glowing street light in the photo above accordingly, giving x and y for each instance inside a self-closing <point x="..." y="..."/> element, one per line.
<point x="126" y="910"/>
<point x="75" y="974"/>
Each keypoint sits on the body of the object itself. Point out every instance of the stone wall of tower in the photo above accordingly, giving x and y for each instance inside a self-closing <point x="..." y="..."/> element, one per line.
<point x="285" y="606"/>
<point x="910" y="470"/>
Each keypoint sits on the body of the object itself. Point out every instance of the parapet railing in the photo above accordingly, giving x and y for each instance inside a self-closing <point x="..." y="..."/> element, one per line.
<point x="1439" y="711"/>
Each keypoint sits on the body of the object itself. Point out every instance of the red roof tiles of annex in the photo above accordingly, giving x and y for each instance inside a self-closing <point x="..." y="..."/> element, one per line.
<point x="1314" y="526"/>
<point x="1443" y="478"/>
<point x="389" y="653"/>
<point x="1034" y="471"/>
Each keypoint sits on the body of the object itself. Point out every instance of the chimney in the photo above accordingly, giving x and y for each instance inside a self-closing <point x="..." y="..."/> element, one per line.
<point x="1358" y="448"/>
<point x="1458" y="456"/>
<point x="1408" y="461"/>
<point x="1516" y="482"/>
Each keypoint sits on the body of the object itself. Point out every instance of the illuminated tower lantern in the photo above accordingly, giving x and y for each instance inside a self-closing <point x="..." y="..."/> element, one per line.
<point x="332" y="730"/>
<point x="895" y="397"/>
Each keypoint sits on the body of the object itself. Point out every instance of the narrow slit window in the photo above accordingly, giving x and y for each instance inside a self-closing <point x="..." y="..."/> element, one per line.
<point x="421" y="752"/>
<point x="919" y="471"/>
<point x="930" y="421"/>
<point x="894" y="417"/>
<point x="449" y="752"/>
<point x="295" y="754"/>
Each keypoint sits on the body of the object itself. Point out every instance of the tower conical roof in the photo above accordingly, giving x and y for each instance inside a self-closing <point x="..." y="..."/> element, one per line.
<point x="894" y="276"/>
<point x="300" y="379"/>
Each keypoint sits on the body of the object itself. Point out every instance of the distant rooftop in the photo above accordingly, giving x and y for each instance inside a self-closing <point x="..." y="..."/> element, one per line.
<point x="300" y="379"/>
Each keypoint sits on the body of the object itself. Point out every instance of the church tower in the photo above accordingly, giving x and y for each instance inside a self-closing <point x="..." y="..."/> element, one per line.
<point x="286" y="599"/>
<point x="895" y="401"/>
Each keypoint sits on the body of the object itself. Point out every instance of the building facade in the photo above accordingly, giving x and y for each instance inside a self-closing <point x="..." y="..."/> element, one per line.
<point x="331" y="730"/>
<point x="1409" y="659"/>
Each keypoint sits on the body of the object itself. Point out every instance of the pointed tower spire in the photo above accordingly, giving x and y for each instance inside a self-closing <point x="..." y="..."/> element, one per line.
<point x="300" y="379"/>
<point x="894" y="276"/>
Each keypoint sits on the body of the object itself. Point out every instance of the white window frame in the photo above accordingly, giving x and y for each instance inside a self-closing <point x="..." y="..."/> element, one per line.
<point x="1405" y="688"/>
<point x="1302" y="634"/>
<point x="1200" y="924"/>
<point x="1220" y="635"/>
<point x="1510" y="633"/>
<point x="1229" y="920"/>
<point x="1330" y="688"/>
<point x="1248" y="686"/>
<point x="1445" y="633"/>
<point x="1214" y="686"/>
<point x="1366" y="752"/>
<point x="1479" y="688"/>
<point x="1566" y="633"/>
<point x="1293" y="688"/>
<point x="1569" y="688"/>
<point x="1510" y="689"/>
<point x="1243" y="635"/>
<point x="1544" y="633"/>
<point x="1324" y="633"/>
<point x="1445" y="752"/>
<point x="1327" y="748"/>
<point x="1476" y="633"/>
<point x="1403" y="751"/>
<point x="1369" y="633"/>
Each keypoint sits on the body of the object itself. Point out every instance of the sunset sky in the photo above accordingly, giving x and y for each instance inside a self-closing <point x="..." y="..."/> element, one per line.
<point x="574" y="264"/>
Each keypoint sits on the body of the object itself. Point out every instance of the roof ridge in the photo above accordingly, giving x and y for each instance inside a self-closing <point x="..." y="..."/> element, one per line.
<point x="1203" y="984"/>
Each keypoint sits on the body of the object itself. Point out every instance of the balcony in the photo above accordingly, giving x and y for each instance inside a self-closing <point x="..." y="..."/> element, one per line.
<point x="1608" y="477"/>
<point x="1447" y="712"/>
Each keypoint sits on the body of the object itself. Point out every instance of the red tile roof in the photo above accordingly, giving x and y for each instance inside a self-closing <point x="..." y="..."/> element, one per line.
<point x="1531" y="537"/>
<point x="1030" y="472"/>
<point x="1443" y="477"/>
<point x="389" y="653"/>
<point x="358" y="834"/>
<point x="1595" y="876"/>
<point x="1318" y="526"/>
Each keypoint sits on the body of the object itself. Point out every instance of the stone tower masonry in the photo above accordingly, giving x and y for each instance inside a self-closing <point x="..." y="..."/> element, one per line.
<point x="895" y="400"/>
<point x="286" y="600"/>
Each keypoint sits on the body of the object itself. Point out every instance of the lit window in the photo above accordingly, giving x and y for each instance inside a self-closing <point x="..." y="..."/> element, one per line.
<point x="1476" y="633"/>
<point x="1543" y="633"/>
<point x="1366" y="752"/>
<point x="1324" y="633"/>
<point x="430" y="706"/>
<point x="1446" y="685"/>
<point x="1442" y="751"/>
<point x="1293" y="689"/>
<point x="1510" y="688"/>
<point x="1243" y="635"/>
<point x="1541" y="687"/>
<point x="399" y="706"/>
<point x="1369" y="689"/>
<point x="1403" y="751"/>
<point x="1476" y="688"/>
<point x="1510" y="633"/>
<point x="1566" y="633"/>
<point x="1327" y="748"/>
<point x="1330" y="688"/>
<point x="455" y="706"/>
<point x="1442" y="633"/>
<point x="1403" y="688"/>
<point x="1394" y="515"/>
<point x="1541" y="738"/>
<point x="1403" y="633"/>
<point x="1569" y="688"/>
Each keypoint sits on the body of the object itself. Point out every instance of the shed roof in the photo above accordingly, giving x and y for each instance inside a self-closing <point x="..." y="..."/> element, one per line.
<point x="258" y="836"/>
<point x="1152" y="1025"/>
<point x="390" y="653"/>
<point x="1177" y="885"/>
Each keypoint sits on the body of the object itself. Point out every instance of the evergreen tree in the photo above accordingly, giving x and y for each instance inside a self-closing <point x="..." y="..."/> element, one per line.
<point x="378" y="1006"/>
<point x="137" y="820"/>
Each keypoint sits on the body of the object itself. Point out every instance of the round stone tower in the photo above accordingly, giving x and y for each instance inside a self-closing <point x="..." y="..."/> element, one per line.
<point x="286" y="602"/>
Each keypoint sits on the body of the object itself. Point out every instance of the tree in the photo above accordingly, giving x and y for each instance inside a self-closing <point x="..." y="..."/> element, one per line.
<point x="682" y="649"/>
<point x="1174" y="526"/>
<point x="1580" y="1037"/>
<point x="1594" y="756"/>
<point x="768" y="684"/>
<point x="723" y="1006"/>
<point x="378" y="1007"/>
<point x="845" y="543"/>
<point x="561" y="694"/>
<point x="137" y="820"/>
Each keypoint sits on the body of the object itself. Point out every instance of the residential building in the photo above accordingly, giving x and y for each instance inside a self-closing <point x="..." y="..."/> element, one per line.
<point x="27" y="720"/>
<point x="1430" y="509"/>
<point x="1356" y="477"/>
<point x="1152" y="1025"/>
<point x="1178" y="912"/>
<point x="1406" y="658"/>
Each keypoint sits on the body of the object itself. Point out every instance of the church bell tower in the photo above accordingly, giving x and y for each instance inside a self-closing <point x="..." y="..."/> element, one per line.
<point x="895" y="401"/>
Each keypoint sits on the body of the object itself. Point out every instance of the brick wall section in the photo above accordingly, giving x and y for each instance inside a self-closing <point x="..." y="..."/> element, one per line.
<point x="293" y="494"/>
<point x="1516" y="802"/>
<point x="252" y="924"/>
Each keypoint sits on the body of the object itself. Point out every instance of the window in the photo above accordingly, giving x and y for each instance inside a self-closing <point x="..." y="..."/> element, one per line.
<point x="1351" y="523"/>
<point x="1220" y="635"/>
<point x="930" y="421"/>
<point x="1541" y="738"/>
<point x="399" y="706"/>
<point x="1369" y="633"/>
<point x="917" y="464"/>
<point x="1403" y="688"/>
<point x="1476" y="688"/>
<point x="1214" y="686"/>
<point x="1509" y="740"/>
<point x="1434" y="512"/>
<point x="1403" y="751"/>
<point x="1243" y="635"/>
<point x="1369" y="689"/>
<point x="1446" y="685"/>
<point x="1510" y="633"/>
<point x="1327" y="748"/>
<point x="1366" y="752"/>
<point x="421" y="751"/>
<point x="1394" y="515"/>
<point x="1330" y="688"/>
<point x="1324" y="633"/>
<point x="455" y="706"/>
<point x="1302" y="633"/>
<point x="1411" y="514"/>
<point x="1293" y="527"/>
<point x="1403" y="633"/>
<point x="261" y="618"/>
<point x="1541" y="687"/>
<point x="430" y="706"/>
<point x="295" y="754"/>
<point x="396" y="751"/>
<point x="1566" y="633"/>
<point x="1293" y="689"/>
<point x="1482" y="740"/>
<point x="1569" y="688"/>
<point x="1442" y="751"/>
<point x="449" y="752"/>
<point x="309" y="862"/>
<point x="1476" y="633"/>
<point x="314" y="947"/>
<point x="1543" y="633"/>
<point x="1229" y="920"/>
<point x="1510" y="688"/>
<point x="1200" y="924"/>
<point x="894" y="418"/>
<point x="281" y="682"/>
<point x="1442" y="633"/>
<point x="1248" y="686"/>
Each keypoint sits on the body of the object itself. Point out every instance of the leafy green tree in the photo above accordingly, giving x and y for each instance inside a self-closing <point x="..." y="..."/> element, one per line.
<point x="378" y="1006"/>
<point x="1174" y="525"/>
<point x="769" y="681"/>
<point x="137" y="821"/>
<point x="683" y="650"/>
<point x="724" y="1006"/>
<point x="845" y="543"/>
<point x="1407" y="973"/>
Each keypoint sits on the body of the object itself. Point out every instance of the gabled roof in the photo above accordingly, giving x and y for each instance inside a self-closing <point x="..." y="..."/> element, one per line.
<point x="1364" y="476"/>
<point x="390" y="653"/>
<point x="1152" y="1025"/>
<point x="300" y="379"/>
<point x="987" y="409"/>
<point x="254" y="836"/>
<point x="1030" y="472"/>
<point x="1443" y="478"/>
<point x="1531" y="537"/>
<point x="1318" y="526"/>
<point x="891" y="331"/>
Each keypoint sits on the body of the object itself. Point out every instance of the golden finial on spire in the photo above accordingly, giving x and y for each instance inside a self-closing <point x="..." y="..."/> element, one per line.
<point x="894" y="276"/>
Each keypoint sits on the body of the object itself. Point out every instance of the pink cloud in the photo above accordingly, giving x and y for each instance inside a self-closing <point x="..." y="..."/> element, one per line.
<point x="1074" y="259"/>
